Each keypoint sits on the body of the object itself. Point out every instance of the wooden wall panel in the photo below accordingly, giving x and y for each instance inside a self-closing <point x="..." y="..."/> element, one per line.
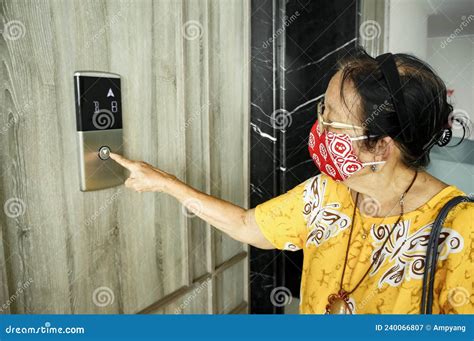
<point x="196" y="45"/>
<point x="143" y="272"/>
<point x="93" y="239"/>
<point x="4" y="295"/>
<point x="31" y="171"/>
<point x="229" y="63"/>
<point x="195" y="300"/>
<point x="169" y="145"/>
<point x="230" y="293"/>
<point x="113" y="250"/>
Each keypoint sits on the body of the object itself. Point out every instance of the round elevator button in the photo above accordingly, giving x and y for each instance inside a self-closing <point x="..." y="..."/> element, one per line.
<point x="104" y="153"/>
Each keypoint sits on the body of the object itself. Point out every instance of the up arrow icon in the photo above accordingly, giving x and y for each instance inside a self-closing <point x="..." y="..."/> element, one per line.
<point x="110" y="93"/>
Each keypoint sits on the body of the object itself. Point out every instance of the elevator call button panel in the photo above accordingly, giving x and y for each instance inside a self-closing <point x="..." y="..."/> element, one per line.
<point x="98" y="129"/>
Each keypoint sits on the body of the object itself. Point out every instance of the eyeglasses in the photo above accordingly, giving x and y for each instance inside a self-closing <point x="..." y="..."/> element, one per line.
<point x="336" y="125"/>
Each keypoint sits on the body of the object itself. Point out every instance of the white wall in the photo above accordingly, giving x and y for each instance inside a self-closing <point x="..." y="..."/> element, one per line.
<point x="453" y="59"/>
<point x="406" y="31"/>
<point x="408" y="26"/>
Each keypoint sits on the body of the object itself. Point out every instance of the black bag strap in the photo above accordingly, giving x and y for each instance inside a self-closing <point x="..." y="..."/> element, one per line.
<point x="432" y="253"/>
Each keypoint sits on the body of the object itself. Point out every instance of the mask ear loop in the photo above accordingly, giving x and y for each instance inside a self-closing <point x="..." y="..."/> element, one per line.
<point x="363" y="137"/>
<point x="373" y="164"/>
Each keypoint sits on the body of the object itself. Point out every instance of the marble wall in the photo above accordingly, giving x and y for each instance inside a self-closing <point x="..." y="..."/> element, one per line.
<point x="295" y="46"/>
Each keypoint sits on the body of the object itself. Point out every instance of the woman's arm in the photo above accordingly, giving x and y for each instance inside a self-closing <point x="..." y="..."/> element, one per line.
<point x="231" y="219"/>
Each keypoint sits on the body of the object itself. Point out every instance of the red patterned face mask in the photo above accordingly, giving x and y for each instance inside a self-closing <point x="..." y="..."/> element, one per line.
<point x="334" y="153"/>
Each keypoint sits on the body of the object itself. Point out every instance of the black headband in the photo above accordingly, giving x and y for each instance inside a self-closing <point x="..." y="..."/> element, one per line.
<point x="389" y="70"/>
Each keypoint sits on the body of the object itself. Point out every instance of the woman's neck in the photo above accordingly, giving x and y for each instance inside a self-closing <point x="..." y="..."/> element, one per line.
<point x="381" y="191"/>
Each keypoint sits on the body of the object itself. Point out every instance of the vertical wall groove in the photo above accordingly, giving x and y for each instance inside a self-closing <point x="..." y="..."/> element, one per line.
<point x="210" y="237"/>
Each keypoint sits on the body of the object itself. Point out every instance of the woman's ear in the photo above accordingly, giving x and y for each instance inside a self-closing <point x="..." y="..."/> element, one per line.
<point x="384" y="148"/>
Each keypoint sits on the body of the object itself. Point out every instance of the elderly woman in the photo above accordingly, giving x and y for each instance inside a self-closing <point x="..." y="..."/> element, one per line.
<point x="364" y="222"/>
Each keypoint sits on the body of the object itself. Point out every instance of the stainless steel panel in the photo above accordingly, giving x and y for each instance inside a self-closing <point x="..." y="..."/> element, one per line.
<point x="94" y="172"/>
<point x="96" y="74"/>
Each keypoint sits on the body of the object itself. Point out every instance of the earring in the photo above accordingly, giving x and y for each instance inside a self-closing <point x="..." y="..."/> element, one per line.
<point x="373" y="168"/>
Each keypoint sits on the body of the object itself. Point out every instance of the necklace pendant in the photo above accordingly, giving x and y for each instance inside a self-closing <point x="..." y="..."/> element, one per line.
<point x="364" y="236"/>
<point x="338" y="304"/>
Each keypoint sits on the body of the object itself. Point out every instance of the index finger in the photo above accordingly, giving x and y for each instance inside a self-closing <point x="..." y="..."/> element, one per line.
<point x="122" y="160"/>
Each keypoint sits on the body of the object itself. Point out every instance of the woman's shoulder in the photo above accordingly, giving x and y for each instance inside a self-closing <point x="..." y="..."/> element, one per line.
<point x="460" y="216"/>
<point x="321" y="179"/>
<point x="321" y="190"/>
<point x="441" y="192"/>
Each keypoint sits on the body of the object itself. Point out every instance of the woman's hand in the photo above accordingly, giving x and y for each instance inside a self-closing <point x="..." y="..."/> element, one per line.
<point x="143" y="176"/>
<point x="237" y="222"/>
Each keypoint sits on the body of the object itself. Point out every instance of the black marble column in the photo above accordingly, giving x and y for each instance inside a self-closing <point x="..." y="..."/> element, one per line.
<point x="295" y="46"/>
<point x="264" y="176"/>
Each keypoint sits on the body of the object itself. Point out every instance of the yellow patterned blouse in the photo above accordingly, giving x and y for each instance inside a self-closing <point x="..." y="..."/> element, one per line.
<point x="316" y="216"/>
